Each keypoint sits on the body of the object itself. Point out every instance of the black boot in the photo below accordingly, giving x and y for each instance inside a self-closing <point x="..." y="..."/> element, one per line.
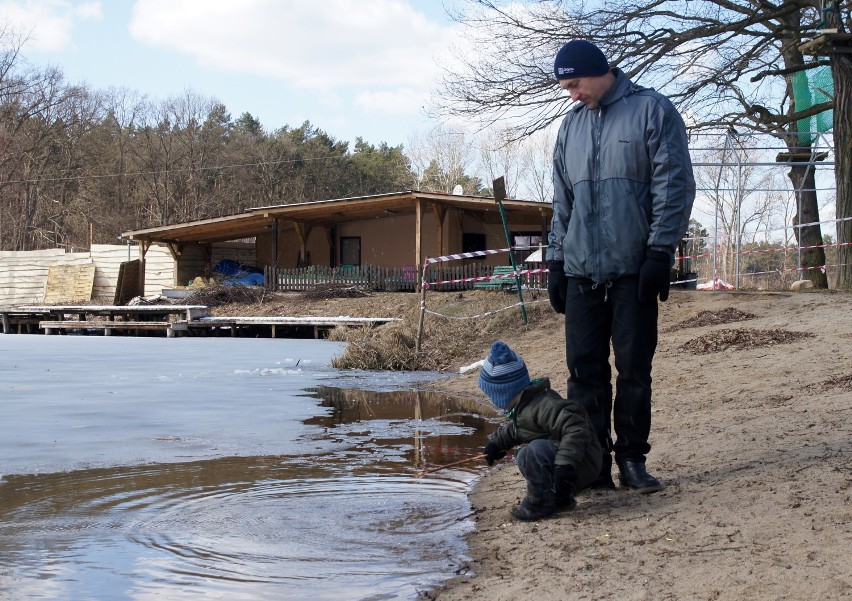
<point x="529" y="511"/>
<point x="565" y="503"/>
<point x="604" y="479"/>
<point x="632" y="474"/>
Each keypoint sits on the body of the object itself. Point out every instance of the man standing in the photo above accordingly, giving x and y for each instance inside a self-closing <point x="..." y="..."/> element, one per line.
<point x="623" y="193"/>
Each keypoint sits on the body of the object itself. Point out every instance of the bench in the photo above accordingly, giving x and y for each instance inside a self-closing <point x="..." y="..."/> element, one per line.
<point x="496" y="282"/>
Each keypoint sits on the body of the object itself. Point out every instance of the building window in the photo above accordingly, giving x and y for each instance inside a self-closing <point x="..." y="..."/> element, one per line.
<point x="529" y="242"/>
<point x="350" y="250"/>
<point x="473" y="243"/>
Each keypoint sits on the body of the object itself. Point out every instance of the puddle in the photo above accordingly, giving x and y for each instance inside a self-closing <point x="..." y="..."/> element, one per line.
<point x="421" y="429"/>
<point x="323" y="501"/>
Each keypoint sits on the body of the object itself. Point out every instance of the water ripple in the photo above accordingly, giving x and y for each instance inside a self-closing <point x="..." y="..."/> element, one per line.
<point x="263" y="524"/>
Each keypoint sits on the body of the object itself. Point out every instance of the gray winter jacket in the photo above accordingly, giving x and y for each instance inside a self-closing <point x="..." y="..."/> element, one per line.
<point x="622" y="183"/>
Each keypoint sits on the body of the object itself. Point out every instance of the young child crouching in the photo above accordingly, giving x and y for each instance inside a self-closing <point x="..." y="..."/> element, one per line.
<point x="562" y="455"/>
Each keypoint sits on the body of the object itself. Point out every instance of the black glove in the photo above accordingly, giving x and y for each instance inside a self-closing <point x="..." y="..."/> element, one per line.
<point x="564" y="477"/>
<point x="655" y="276"/>
<point x="557" y="285"/>
<point x="493" y="453"/>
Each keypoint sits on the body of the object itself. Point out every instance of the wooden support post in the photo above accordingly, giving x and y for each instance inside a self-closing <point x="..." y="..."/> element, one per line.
<point x="418" y="231"/>
<point x="329" y="240"/>
<point x="303" y="232"/>
<point x="275" y="261"/>
<point x="207" y="257"/>
<point x="440" y="214"/>
<point x="144" y="245"/>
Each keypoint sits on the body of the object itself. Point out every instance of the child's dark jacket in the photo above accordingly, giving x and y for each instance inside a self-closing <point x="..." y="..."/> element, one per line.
<point x="539" y="412"/>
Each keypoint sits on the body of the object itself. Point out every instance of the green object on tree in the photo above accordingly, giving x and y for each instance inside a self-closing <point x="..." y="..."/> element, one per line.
<point x="812" y="87"/>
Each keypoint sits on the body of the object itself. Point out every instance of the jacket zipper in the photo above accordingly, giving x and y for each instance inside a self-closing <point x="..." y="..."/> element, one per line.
<point x="596" y="182"/>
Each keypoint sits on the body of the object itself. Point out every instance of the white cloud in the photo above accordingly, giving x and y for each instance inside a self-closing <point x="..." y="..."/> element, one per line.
<point x="401" y="101"/>
<point x="46" y="25"/>
<point x="344" y="45"/>
<point x="89" y="10"/>
<point x="40" y="23"/>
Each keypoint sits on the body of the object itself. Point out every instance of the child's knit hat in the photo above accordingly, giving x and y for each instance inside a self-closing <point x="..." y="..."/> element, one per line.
<point x="503" y="375"/>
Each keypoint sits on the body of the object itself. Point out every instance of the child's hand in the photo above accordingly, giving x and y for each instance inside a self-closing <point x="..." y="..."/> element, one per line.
<point x="564" y="477"/>
<point x="493" y="453"/>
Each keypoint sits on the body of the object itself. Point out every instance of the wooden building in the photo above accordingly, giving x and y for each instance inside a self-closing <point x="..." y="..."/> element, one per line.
<point x="385" y="231"/>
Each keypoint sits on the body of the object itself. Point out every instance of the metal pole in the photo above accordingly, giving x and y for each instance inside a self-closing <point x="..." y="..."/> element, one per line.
<point x="738" y="208"/>
<point x="420" y="324"/>
<point x="499" y="187"/>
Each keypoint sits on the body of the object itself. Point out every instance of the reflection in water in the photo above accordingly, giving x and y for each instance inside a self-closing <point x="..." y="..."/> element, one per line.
<point x="441" y="429"/>
<point x="350" y="521"/>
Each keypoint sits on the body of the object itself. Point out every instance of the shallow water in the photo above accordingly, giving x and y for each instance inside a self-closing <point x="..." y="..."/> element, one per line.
<point x="224" y="469"/>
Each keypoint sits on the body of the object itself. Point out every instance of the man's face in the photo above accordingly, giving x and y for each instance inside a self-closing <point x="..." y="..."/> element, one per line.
<point x="588" y="90"/>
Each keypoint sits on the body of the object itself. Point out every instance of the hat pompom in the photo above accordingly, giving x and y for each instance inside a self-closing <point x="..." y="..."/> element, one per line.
<point x="503" y="375"/>
<point x="501" y="353"/>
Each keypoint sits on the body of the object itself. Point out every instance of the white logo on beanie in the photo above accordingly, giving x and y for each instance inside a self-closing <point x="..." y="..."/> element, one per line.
<point x="565" y="70"/>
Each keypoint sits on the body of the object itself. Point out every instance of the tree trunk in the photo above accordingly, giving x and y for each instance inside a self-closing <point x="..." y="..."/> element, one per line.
<point x="841" y="70"/>
<point x="808" y="237"/>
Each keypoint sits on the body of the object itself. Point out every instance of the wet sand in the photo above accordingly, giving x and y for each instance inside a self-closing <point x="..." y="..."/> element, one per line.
<point x="751" y="436"/>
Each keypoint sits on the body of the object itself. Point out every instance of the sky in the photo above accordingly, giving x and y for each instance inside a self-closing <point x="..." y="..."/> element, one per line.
<point x="351" y="67"/>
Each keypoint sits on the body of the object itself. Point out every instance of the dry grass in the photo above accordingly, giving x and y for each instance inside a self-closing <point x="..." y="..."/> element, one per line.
<point x="456" y="329"/>
<point x="388" y="347"/>
<point x="324" y="291"/>
<point x="468" y="323"/>
<point x="217" y="295"/>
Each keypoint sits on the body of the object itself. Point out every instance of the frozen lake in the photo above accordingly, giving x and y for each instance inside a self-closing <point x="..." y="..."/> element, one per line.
<point x="186" y="468"/>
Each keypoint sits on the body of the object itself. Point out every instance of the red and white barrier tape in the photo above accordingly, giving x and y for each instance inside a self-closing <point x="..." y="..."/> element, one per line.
<point x="484" y="277"/>
<point x="470" y="255"/>
<point x="767" y="250"/>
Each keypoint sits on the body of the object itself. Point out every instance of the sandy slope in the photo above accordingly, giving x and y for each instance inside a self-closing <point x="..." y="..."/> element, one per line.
<point x="752" y="441"/>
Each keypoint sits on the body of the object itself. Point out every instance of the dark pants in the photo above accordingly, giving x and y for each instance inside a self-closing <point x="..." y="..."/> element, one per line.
<point x="594" y="315"/>
<point x="536" y="461"/>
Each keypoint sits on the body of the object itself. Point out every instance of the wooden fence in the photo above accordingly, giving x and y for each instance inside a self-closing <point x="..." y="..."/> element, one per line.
<point x="24" y="274"/>
<point x="390" y="279"/>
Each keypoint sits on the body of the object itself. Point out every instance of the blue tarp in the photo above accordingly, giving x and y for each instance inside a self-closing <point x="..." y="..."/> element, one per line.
<point x="239" y="273"/>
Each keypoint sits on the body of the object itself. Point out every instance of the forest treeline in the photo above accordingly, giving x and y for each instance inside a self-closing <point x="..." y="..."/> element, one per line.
<point x="80" y="166"/>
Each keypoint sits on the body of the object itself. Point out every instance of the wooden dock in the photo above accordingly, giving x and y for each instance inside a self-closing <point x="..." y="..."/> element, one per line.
<point x="319" y="326"/>
<point x="168" y="320"/>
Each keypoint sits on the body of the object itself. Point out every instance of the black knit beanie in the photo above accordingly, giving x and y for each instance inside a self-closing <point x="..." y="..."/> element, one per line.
<point x="579" y="58"/>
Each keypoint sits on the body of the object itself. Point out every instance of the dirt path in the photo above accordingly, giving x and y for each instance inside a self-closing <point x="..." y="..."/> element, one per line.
<point x="751" y="436"/>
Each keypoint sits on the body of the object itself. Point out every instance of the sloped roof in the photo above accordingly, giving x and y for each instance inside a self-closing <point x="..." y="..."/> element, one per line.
<point x="257" y="220"/>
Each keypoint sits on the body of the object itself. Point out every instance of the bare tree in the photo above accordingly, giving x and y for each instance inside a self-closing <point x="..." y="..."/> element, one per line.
<point x="499" y="155"/>
<point x="440" y="159"/>
<point x="743" y="203"/>
<point x="725" y="63"/>
<point x="537" y="173"/>
<point x="113" y="191"/>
